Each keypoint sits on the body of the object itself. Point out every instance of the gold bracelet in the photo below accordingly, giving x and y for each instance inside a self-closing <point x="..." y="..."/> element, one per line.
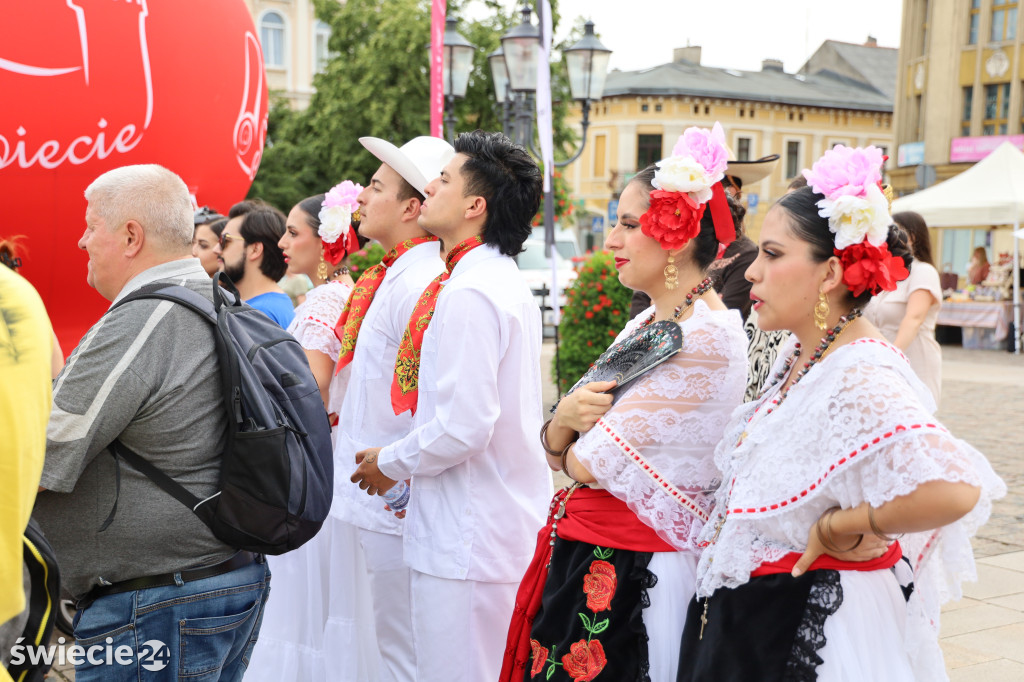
<point x="565" y="462"/>
<point x="830" y="544"/>
<point x="875" y="529"/>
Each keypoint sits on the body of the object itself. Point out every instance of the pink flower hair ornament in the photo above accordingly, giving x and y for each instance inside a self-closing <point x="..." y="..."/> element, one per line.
<point x="683" y="185"/>
<point x="850" y="180"/>
<point x="338" y="211"/>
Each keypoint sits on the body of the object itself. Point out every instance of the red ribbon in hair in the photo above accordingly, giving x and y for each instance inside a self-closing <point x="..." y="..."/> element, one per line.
<point x="725" y="227"/>
<point x="343" y="246"/>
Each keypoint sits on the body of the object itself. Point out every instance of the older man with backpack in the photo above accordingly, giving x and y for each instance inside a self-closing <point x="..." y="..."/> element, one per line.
<point x="179" y="395"/>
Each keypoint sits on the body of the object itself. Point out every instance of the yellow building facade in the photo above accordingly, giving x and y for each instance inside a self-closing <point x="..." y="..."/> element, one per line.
<point x="797" y="116"/>
<point x="960" y="93"/>
<point x="294" y="46"/>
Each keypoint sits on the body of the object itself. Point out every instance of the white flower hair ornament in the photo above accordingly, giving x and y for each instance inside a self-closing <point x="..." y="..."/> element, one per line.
<point x="850" y="180"/>
<point x="683" y="184"/>
<point x="338" y="211"/>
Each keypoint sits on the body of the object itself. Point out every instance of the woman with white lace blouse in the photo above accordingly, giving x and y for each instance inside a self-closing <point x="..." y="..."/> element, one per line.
<point x="319" y="235"/>
<point x="802" y="577"/>
<point x="614" y="570"/>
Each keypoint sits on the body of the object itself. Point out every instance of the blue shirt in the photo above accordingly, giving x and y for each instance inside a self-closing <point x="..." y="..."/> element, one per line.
<point x="276" y="306"/>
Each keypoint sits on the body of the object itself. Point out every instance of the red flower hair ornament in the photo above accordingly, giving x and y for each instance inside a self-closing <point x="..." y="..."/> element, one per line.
<point x="683" y="186"/>
<point x="850" y="180"/>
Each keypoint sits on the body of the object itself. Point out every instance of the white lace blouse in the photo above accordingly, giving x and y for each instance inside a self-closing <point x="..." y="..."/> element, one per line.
<point x="856" y="428"/>
<point x="653" y="449"/>
<point x="313" y="327"/>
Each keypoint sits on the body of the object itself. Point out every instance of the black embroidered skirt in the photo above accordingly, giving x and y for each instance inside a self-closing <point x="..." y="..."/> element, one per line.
<point x="590" y="624"/>
<point x="767" y="630"/>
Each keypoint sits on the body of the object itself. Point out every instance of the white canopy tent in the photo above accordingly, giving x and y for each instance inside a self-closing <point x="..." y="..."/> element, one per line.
<point x="991" y="192"/>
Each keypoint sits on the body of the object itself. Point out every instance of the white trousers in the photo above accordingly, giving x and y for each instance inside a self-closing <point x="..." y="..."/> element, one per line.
<point x="391" y="593"/>
<point x="460" y="627"/>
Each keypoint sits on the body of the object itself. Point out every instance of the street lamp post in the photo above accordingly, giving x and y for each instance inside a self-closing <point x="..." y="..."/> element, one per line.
<point x="514" y="71"/>
<point x="458" y="61"/>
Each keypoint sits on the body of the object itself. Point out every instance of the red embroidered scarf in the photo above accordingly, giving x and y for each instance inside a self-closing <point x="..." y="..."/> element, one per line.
<point x="347" y="327"/>
<point x="592" y="516"/>
<point x="405" y="385"/>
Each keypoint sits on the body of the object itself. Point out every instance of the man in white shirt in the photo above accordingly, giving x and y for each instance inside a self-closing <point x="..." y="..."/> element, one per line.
<point x="480" y="484"/>
<point x="389" y="207"/>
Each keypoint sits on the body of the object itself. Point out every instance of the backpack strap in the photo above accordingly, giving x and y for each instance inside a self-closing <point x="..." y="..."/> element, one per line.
<point x="163" y="481"/>
<point x="209" y="311"/>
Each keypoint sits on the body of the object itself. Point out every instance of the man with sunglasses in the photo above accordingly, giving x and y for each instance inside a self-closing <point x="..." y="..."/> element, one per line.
<point x="248" y="253"/>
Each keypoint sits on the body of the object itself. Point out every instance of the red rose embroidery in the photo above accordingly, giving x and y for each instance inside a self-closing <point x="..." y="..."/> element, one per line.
<point x="871" y="268"/>
<point x="584" y="660"/>
<point x="673" y="218"/>
<point x="599" y="585"/>
<point x="540" y="657"/>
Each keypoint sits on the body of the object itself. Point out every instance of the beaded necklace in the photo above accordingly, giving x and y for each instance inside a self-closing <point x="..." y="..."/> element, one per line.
<point x="823" y="347"/>
<point x="694" y="294"/>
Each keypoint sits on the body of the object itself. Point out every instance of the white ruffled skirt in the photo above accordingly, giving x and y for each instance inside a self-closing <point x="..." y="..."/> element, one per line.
<point x="318" y="623"/>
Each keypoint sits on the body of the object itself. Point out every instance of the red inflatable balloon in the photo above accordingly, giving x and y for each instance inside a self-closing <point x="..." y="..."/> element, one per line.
<point x="90" y="85"/>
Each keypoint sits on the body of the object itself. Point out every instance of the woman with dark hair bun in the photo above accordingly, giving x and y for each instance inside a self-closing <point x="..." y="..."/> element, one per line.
<point x="614" y="570"/>
<point x="801" y="576"/>
<point x="906" y="316"/>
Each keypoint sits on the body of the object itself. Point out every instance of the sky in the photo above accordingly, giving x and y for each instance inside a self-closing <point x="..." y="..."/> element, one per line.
<point x="735" y="34"/>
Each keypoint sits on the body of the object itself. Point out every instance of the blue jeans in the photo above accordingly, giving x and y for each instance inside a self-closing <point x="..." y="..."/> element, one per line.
<point x="197" y="631"/>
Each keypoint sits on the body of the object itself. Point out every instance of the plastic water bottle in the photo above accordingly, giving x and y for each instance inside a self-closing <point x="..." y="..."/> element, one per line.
<point x="398" y="497"/>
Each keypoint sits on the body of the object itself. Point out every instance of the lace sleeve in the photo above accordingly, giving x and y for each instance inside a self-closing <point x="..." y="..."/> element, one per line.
<point x="653" y="449"/>
<point x="314" y="321"/>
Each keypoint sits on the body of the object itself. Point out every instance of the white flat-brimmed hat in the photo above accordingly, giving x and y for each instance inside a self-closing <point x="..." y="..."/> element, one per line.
<point x="748" y="172"/>
<point x="419" y="160"/>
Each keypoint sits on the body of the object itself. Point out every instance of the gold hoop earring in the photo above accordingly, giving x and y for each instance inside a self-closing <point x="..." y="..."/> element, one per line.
<point x="671" y="273"/>
<point x="822" y="311"/>
<point x="321" y="270"/>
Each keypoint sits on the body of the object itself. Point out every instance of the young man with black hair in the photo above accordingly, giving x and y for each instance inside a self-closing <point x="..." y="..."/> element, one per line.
<point x="249" y="255"/>
<point x="468" y="368"/>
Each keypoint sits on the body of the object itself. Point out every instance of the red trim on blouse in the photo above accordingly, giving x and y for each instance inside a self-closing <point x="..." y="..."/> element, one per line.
<point x="681" y="497"/>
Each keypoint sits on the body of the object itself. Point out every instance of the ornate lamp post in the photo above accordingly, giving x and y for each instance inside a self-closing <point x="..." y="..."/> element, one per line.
<point x="516" y="64"/>
<point x="458" y="61"/>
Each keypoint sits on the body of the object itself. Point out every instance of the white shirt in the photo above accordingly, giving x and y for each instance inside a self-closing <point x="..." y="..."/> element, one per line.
<point x="365" y="419"/>
<point x="480" y="481"/>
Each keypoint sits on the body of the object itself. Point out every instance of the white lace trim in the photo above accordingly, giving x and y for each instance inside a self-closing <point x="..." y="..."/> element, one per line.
<point x="315" y="318"/>
<point x="654" y="448"/>
<point x="856" y="428"/>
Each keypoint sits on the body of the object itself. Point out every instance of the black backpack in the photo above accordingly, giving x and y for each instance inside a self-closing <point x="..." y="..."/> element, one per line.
<point x="277" y="473"/>
<point x="42" y="603"/>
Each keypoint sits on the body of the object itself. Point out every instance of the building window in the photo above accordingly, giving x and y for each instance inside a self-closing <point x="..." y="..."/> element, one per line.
<point x="644" y="108"/>
<point x="1004" y="20"/>
<point x="965" y="118"/>
<point x="918" y="118"/>
<point x="792" y="158"/>
<point x="997" y="109"/>
<point x="696" y="109"/>
<point x="648" y="150"/>
<point x="657" y="107"/>
<point x="743" y="149"/>
<point x="272" y="38"/>
<point x="599" y="150"/>
<point x="974" y="22"/>
<point x="321" y="51"/>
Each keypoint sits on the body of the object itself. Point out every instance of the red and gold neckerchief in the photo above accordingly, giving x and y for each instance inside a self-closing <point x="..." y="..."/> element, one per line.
<point x="405" y="385"/>
<point x="347" y="327"/>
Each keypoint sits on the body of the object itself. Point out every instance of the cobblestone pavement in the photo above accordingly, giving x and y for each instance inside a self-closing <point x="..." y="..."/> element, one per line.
<point x="983" y="403"/>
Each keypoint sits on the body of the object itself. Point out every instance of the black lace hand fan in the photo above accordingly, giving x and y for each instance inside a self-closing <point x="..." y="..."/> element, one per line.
<point x="641" y="351"/>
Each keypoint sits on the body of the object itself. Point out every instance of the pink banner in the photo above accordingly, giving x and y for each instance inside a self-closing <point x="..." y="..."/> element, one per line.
<point x="977" y="148"/>
<point x="437" y="15"/>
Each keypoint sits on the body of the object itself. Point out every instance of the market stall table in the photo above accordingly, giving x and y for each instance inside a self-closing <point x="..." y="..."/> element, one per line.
<point x="985" y="323"/>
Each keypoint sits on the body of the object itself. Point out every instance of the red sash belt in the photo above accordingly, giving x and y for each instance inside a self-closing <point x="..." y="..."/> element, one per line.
<point x="786" y="563"/>
<point x="592" y="516"/>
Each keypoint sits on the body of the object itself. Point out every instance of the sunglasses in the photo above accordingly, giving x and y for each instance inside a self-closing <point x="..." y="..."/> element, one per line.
<point x="225" y="238"/>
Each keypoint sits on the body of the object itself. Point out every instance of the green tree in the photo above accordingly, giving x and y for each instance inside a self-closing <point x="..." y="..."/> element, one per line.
<point x="377" y="83"/>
